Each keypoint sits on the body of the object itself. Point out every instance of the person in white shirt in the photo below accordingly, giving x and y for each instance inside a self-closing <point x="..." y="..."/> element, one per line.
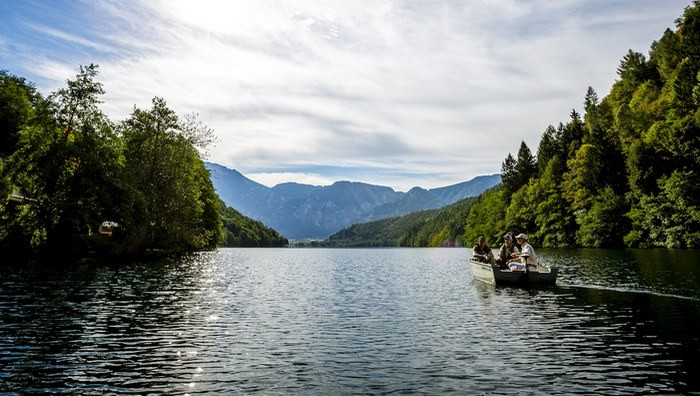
<point x="527" y="252"/>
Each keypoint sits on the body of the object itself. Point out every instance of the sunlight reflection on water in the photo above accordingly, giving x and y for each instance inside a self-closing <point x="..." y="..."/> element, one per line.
<point x="280" y="321"/>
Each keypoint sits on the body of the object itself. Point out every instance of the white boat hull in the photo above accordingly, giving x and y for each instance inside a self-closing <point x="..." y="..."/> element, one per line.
<point x="489" y="273"/>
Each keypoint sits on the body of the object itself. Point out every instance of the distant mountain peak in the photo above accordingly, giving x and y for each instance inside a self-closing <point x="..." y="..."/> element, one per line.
<point x="302" y="211"/>
<point x="416" y="189"/>
<point x="286" y="184"/>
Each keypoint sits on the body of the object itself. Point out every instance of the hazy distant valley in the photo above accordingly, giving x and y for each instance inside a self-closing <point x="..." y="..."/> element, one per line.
<point x="302" y="211"/>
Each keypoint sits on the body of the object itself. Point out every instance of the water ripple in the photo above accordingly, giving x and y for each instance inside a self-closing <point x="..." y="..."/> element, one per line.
<point x="384" y="321"/>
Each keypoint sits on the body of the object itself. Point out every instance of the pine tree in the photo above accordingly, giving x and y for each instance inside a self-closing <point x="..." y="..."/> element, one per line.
<point x="525" y="166"/>
<point x="509" y="175"/>
<point x="548" y="148"/>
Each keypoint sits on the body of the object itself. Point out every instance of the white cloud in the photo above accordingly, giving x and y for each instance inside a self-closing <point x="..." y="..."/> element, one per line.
<point x="419" y="88"/>
<point x="51" y="32"/>
<point x="272" y="179"/>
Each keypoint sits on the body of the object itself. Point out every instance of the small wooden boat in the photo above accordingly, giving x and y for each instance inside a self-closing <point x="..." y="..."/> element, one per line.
<point x="491" y="273"/>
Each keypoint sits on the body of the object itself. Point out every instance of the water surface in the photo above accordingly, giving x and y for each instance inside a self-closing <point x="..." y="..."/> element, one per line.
<point x="341" y="321"/>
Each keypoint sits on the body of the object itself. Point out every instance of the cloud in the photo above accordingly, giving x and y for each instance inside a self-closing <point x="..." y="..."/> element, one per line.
<point x="415" y="93"/>
<point x="51" y="32"/>
<point x="271" y="179"/>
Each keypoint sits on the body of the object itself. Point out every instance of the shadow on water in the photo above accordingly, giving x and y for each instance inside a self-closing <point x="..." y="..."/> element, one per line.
<point x="659" y="271"/>
<point x="605" y="340"/>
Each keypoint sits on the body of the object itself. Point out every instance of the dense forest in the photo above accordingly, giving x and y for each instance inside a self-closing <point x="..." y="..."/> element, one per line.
<point x="624" y="174"/>
<point x="242" y="231"/>
<point x="433" y="228"/>
<point x="72" y="182"/>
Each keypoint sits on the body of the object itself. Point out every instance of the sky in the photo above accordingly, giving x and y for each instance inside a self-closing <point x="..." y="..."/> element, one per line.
<point x="396" y="93"/>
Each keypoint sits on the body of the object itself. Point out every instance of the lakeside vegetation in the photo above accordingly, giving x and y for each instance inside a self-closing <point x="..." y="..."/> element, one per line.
<point x="425" y="228"/>
<point x="242" y="231"/>
<point x="72" y="182"/>
<point x="626" y="173"/>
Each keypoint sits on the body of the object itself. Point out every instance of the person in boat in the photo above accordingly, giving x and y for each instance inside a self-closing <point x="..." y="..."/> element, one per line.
<point x="527" y="255"/>
<point x="508" y="251"/>
<point x="482" y="251"/>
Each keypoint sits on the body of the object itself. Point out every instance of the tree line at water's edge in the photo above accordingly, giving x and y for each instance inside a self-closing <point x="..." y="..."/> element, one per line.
<point x="72" y="182"/>
<point x="624" y="174"/>
<point x="425" y="228"/>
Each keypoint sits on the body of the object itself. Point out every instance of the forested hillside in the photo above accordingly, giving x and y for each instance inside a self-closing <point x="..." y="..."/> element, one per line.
<point x="437" y="227"/>
<point x="624" y="174"/>
<point x="242" y="231"/>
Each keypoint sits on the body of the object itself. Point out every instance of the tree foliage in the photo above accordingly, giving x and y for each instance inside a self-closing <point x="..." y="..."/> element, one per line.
<point x="242" y="231"/>
<point x="68" y="173"/>
<point x="436" y="227"/>
<point x="626" y="174"/>
<point x="170" y="188"/>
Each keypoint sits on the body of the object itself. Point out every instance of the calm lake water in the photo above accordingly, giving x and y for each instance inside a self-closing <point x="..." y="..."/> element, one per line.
<point x="342" y="321"/>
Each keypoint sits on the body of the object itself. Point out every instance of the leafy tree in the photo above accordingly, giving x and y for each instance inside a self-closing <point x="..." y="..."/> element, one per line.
<point x="522" y="211"/>
<point x="67" y="163"/>
<point x="173" y="202"/>
<point x="581" y="181"/>
<point x="603" y="225"/>
<point x="17" y="99"/>
<point x="553" y="220"/>
<point x="689" y="32"/>
<point x="241" y="231"/>
<point x="666" y="54"/>
<point x="640" y="162"/>
<point x="74" y="170"/>
<point x="684" y="82"/>
<point x="670" y="219"/>
<point x="487" y="217"/>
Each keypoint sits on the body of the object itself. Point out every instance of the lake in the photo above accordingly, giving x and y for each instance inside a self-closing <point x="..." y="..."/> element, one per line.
<point x="344" y="321"/>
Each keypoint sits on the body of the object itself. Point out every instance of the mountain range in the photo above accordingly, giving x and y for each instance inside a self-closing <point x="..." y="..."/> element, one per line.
<point x="302" y="211"/>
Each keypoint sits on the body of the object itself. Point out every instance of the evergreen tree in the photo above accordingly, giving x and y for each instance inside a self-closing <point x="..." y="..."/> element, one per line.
<point x="572" y="134"/>
<point x="689" y="32"/>
<point x="590" y="104"/>
<point x="522" y="211"/>
<point x="549" y="148"/>
<point x="553" y="220"/>
<point x="582" y="181"/>
<point x="666" y="54"/>
<point x="525" y="166"/>
<point x="684" y="82"/>
<point x="603" y="225"/>
<point x="509" y="176"/>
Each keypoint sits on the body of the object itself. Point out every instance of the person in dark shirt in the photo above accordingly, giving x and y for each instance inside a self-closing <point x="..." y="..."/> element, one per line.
<point x="482" y="251"/>
<point x="507" y="252"/>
